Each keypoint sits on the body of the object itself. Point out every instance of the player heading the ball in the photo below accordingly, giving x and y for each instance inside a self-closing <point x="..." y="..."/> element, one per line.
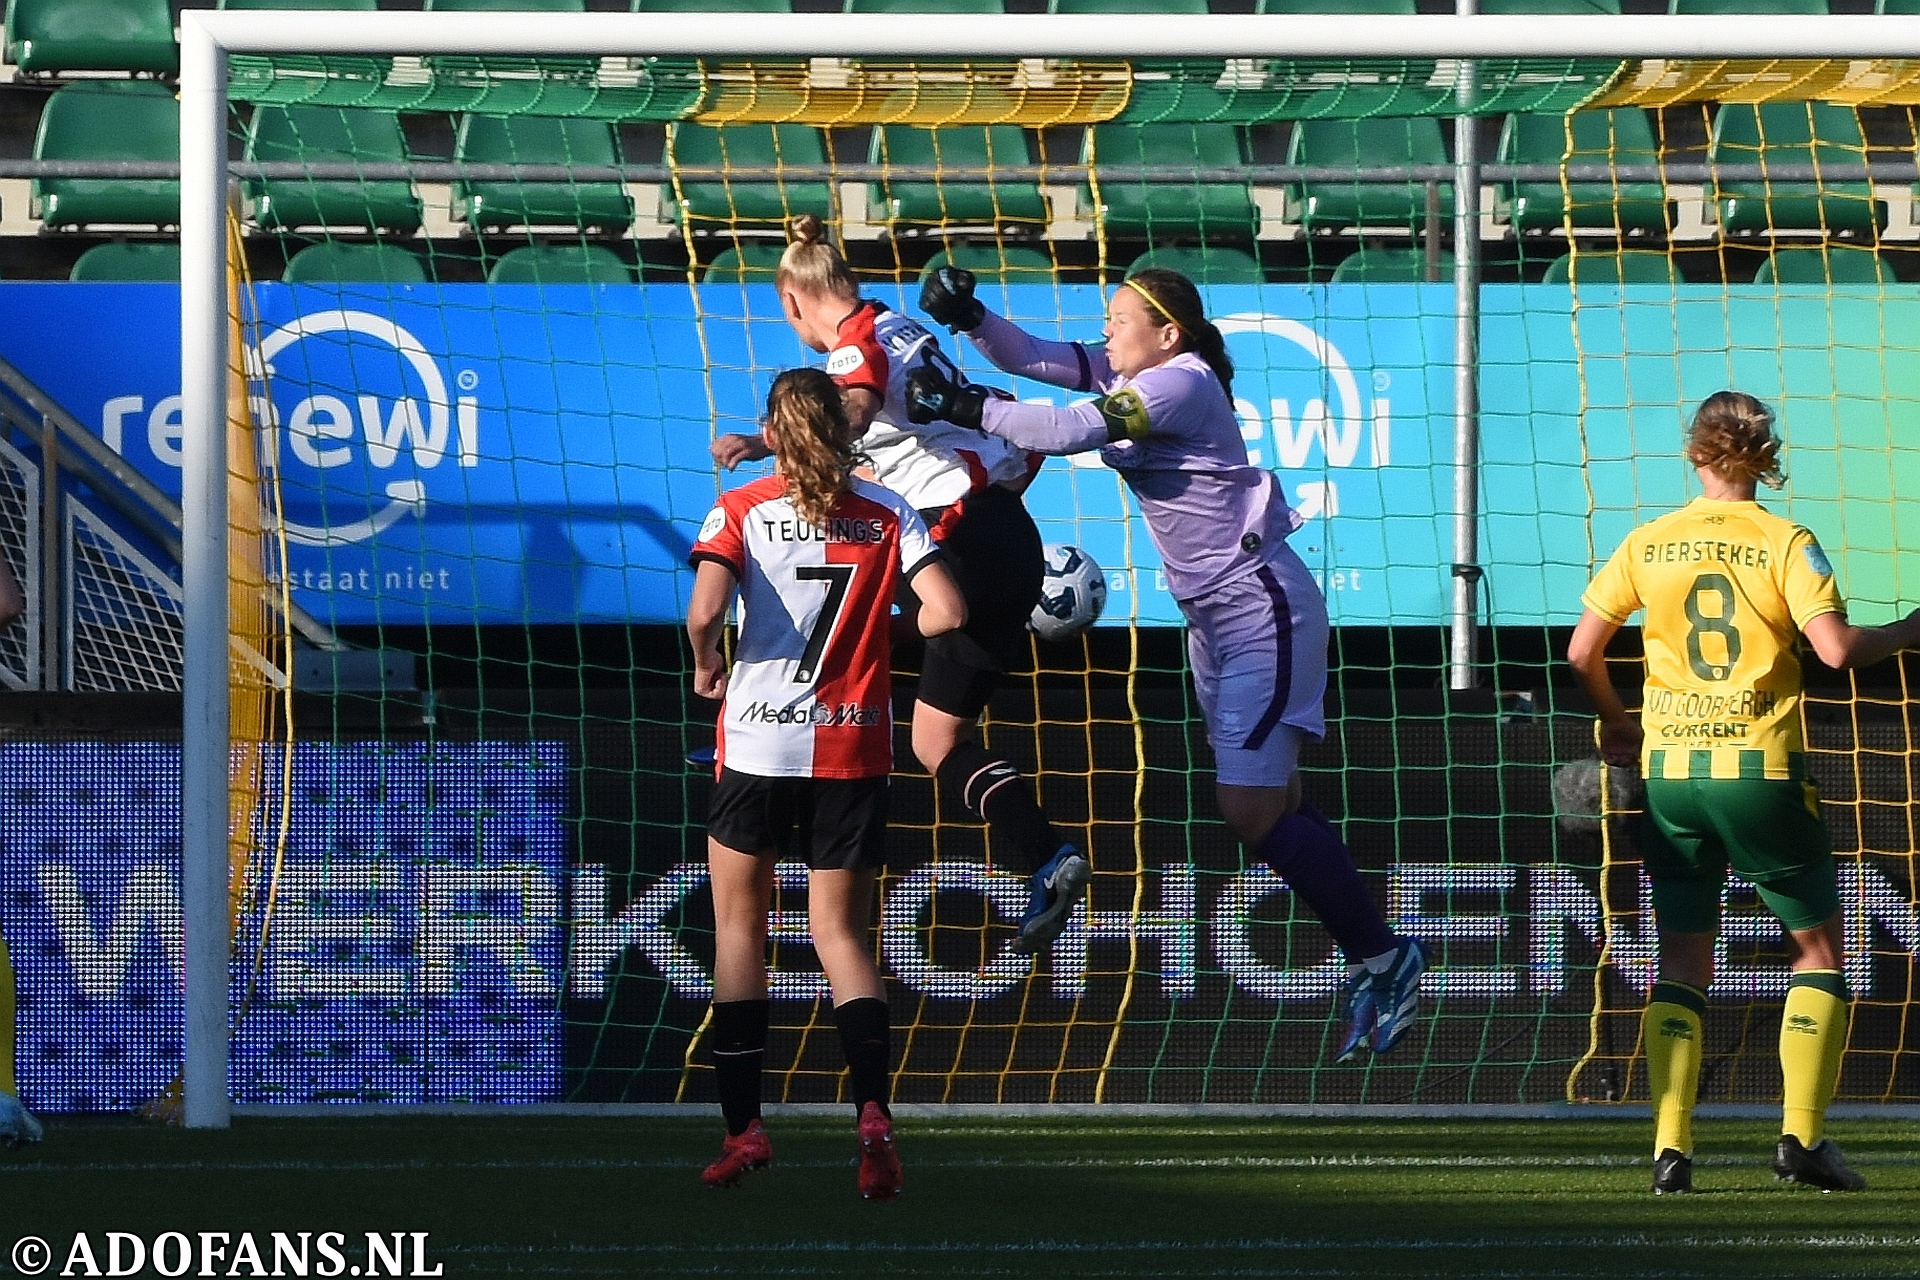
<point x="1729" y="589"/>
<point x="968" y="486"/>
<point x="1162" y="416"/>
<point x="805" y="744"/>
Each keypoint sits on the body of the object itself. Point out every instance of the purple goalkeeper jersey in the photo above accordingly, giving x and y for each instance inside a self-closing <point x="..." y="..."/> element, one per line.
<point x="1170" y="432"/>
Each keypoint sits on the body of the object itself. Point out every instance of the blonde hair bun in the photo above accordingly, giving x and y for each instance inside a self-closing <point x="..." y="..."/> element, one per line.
<point x="811" y="264"/>
<point x="808" y="229"/>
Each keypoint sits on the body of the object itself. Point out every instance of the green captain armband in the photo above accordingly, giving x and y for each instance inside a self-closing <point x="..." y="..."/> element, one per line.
<point x="1126" y="415"/>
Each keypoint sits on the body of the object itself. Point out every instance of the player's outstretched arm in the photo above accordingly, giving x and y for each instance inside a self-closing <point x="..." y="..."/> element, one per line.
<point x="713" y="585"/>
<point x="735" y="447"/>
<point x="947" y="297"/>
<point x="934" y="397"/>
<point x="1840" y="644"/>
<point x="942" y="607"/>
<point x="1620" y="733"/>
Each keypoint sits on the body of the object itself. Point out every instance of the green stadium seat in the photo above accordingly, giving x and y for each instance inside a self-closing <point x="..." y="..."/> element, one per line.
<point x="1203" y="265"/>
<point x="727" y="201"/>
<point x="1791" y="133"/>
<point x="349" y="6"/>
<point x="998" y="264"/>
<point x="713" y="6"/>
<point x="925" y="6"/>
<point x="330" y="135"/>
<point x="1897" y="6"/>
<point x="1126" y="6"/>
<point x="128" y="261"/>
<point x="1629" y="266"/>
<point x="1621" y="136"/>
<point x="1170" y="210"/>
<point x="1312" y="8"/>
<point x="1747" y="6"/>
<point x="1549" y="6"/>
<point x="334" y="262"/>
<point x="1370" y="143"/>
<point x="1373" y="265"/>
<point x="560" y="264"/>
<point x="940" y="203"/>
<point x="91" y="35"/>
<point x="1827" y="265"/>
<point x="744" y="264"/>
<point x="490" y="206"/>
<point x="108" y="120"/>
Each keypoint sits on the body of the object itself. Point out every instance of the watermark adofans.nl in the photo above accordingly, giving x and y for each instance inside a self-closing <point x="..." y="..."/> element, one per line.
<point x="228" y="1253"/>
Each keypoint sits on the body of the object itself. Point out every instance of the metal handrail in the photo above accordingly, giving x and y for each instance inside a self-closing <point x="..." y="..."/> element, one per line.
<point x="120" y="485"/>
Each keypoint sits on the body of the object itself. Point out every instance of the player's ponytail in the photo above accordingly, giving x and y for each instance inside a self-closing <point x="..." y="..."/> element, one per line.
<point x="1172" y="297"/>
<point x="1732" y="433"/>
<point x="811" y="265"/>
<point x="811" y="439"/>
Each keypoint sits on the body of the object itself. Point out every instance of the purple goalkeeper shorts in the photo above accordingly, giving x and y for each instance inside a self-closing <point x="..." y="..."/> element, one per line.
<point x="1258" y="646"/>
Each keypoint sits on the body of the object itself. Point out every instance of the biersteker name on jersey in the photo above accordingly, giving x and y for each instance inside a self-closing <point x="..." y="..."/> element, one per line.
<point x="810" y="693"/>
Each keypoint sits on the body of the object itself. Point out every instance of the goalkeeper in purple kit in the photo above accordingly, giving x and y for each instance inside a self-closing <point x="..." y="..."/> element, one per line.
<point x="1162" y="416"/>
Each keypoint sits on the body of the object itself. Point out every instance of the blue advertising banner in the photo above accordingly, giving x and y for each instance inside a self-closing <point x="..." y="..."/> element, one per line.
<point x="496" y="454"/>
<point x="416" y="952"/>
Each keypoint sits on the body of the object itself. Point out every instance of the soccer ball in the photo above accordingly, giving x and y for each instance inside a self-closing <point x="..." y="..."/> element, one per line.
<point x="1072" y="593"/>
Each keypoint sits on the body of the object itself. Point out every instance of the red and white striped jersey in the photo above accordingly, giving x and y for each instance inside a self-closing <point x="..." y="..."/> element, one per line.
<point x="933" y="465"/>
<point x="811" y="691"/>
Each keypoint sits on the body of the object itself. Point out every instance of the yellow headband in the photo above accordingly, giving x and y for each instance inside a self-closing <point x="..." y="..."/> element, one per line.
<point x="1154" y="302"/>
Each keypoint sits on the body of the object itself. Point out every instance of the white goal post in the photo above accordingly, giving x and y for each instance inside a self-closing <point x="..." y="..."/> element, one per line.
<point x="208" y="37"/>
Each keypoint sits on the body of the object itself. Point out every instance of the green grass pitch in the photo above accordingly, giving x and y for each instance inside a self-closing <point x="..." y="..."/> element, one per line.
<point x="1053" y="1199"/>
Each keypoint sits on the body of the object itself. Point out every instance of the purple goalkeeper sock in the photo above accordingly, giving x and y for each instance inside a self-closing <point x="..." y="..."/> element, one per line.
<point x="1304" y="850"/>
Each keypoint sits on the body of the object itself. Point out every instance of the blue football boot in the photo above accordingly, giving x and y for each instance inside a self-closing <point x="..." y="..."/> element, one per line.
<point x="1396" y="994"/>
<point x="1056" y="887"/>
<point x="1362" y="1012"/>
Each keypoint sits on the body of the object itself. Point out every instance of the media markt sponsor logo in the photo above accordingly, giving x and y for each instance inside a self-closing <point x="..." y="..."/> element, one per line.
<point x="1803" y="1024"/>
<point x="399" y="405"/>
<point x="1676" y="1029"/>
<point x="819" y="715"/>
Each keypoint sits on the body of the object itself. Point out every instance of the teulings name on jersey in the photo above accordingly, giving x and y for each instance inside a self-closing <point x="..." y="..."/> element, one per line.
<point x="835" y="529"/>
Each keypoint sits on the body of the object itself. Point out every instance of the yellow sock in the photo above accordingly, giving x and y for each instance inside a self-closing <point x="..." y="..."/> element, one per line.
<point x="1671" y="1029"/>
<point x="1813" y="1036"/>
<point x="7" y="1084"/>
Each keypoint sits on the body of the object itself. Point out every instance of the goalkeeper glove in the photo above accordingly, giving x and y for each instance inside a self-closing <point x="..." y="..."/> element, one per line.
<point x="947" y="296"/>
<point x="934" y="397"/>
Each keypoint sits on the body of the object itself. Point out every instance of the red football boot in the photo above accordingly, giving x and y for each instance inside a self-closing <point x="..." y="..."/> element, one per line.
<point x="880" y="1176"/>
<point x="740" y="1155"/>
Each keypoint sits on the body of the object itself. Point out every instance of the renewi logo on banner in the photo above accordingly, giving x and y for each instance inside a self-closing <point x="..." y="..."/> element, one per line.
<point x="342" y="416"/>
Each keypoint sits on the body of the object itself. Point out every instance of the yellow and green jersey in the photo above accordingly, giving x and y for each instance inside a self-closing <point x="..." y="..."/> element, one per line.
<point x="1727" y="587"/>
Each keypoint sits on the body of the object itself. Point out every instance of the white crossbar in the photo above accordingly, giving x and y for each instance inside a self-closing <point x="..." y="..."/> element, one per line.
<point x="920" y="35"/>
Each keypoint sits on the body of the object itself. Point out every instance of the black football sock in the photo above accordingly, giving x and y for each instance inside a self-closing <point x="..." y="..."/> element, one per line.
<point x="993" y="790"/>
<point x="739" y="1042"/>
<point x="868" y="1042"/>
<point x="1304" y="850"/>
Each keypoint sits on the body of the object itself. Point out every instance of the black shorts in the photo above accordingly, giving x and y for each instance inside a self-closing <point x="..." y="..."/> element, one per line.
<point x="832" y="824"/>
<point x="996" y="558"/>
